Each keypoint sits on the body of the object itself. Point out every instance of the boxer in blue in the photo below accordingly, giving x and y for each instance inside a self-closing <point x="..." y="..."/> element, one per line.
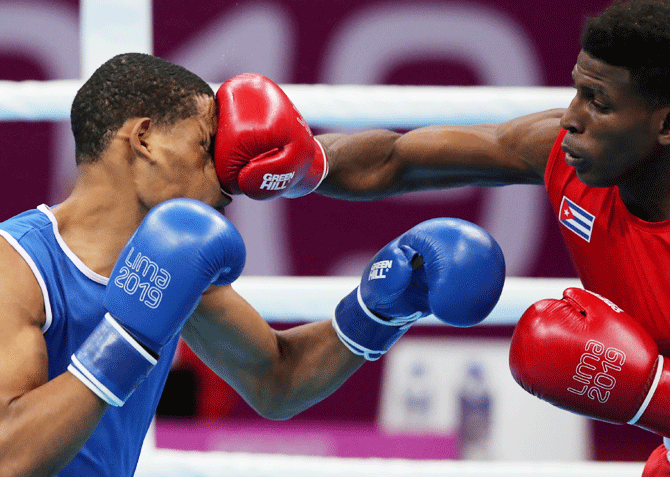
<point x="96" y="291"/>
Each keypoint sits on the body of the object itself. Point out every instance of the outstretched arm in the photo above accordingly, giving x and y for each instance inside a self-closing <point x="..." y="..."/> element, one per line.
<point x="281" y="373"/>
<point x="381" y="163"/>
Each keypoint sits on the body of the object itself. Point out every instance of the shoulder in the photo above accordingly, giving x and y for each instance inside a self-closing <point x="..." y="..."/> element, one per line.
<point x="20" y="292"/>
<point x="532" y="137"/>
<point x="23" y="350"/>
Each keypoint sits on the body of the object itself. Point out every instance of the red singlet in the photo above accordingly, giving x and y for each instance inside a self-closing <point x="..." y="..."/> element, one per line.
<point x="617" y="255"/>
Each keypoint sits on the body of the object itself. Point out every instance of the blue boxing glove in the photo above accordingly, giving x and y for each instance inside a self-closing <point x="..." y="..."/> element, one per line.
<point x="180" y="249"/>
<point x="445" y="267"/>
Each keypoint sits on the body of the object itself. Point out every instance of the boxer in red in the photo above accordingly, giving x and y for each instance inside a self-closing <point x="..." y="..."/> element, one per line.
<point x="605" y="162"/>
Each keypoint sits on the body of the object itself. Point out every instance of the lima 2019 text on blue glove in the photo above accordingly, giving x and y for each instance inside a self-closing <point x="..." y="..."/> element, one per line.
<point x="180" y="249"/>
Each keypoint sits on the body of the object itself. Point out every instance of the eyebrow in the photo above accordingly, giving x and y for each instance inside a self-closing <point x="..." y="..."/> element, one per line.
<point x="589" y="87"/>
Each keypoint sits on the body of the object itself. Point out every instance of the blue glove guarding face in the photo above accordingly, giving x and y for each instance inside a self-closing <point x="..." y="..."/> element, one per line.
<point x="181" y="248"/>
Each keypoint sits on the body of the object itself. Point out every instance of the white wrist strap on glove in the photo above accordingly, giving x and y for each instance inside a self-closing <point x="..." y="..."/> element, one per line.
<point x="363" y="332"/>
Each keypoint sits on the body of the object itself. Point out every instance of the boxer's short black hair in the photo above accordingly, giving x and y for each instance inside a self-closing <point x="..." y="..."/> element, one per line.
<point x="634" y="34"/>
<point x="131" y="85"/>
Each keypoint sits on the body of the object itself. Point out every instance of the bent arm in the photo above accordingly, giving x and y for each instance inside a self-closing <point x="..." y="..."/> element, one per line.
<point x="278" y="373"/>
<point x="43" y="423"/>
<point x="381" y="163"/>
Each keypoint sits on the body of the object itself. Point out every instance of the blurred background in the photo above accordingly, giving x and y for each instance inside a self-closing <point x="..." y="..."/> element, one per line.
<point x="440" y="393"/>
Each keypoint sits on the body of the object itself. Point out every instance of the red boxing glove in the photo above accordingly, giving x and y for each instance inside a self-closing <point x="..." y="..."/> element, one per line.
<point x="657" y="464"/>
<point x="586" y="355"/>
<point x="263" y="147"/>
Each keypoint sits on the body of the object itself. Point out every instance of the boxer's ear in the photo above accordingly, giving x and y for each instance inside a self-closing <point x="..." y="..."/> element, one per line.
<point x="139" y="137"/>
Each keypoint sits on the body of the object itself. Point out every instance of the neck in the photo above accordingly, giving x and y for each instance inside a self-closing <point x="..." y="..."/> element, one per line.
<point x="646" y="190"/>
<point x="98" y="217"/>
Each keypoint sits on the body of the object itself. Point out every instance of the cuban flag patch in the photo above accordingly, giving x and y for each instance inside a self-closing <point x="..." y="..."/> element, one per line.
<point x="576" y="219"/>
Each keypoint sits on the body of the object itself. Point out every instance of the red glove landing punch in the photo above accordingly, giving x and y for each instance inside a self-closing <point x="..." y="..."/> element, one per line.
<point x="263" y="147"/>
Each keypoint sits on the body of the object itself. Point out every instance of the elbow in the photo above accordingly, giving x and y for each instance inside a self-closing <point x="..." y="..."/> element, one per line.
<point x="279" y="388"/>
<point x="275" y="399"/>
<point x="277" y="415"/>
<point x="276" y="408"/>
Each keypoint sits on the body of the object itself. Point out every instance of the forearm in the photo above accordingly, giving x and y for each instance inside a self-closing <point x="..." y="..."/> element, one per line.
<point x="361" y="166"/>
<point x="42" y="430"/>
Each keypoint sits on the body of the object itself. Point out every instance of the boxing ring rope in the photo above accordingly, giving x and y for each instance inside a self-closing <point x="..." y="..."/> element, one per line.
<point x="275" y="297"/>
<point x="211" y="464"/>
<point x="337" y="106"/>
<point x="325" y="106"/>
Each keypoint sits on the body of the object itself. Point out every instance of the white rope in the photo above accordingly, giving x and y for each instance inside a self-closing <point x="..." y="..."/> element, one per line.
<point x="331" y="106"/>
<point x="307" y="299"/>
<point x="166" y="463"/>
<point x="291" y="299"/>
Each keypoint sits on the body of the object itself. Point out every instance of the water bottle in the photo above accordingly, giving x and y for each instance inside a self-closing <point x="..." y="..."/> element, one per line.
<point x="474" y="427"/>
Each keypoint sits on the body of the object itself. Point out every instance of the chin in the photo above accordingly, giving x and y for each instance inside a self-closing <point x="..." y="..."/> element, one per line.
<point x="594" y="181"/>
